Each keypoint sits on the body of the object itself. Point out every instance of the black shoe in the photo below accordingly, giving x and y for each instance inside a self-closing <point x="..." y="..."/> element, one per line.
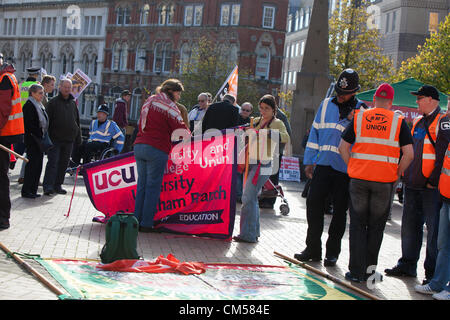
<point x="330" y="261"/>
<point x="398" y="272"/>
<point x="4" y="226"/>
<point x="28" y="195"/>
<point x="49" y="192"/>
<point x="37" y="195"/>
<point x="60" y="191"/>
<point x="239" y="200"/>
<point x="149" y="230"/>
<point x="307" y="256"/>
<point x="425" y="281"/>
<point x="239" y="239"/>
<point x="353" y="278"/>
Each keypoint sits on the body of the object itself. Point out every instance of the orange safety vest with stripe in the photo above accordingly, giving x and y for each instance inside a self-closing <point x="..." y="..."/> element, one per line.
<point x="15" y="125"/>
<point x="428" y="153"/>
<point x="376" y="152"/>
<point x="444" y="180"/>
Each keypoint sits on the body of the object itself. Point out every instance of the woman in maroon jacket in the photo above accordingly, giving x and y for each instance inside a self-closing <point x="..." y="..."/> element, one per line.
<point x="160" y="117"/>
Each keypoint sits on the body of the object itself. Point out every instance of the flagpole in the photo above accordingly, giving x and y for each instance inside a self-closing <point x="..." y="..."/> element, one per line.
<point x="225" y="83"/>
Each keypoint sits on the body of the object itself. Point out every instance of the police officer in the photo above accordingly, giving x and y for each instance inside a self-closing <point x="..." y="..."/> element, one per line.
<point x="375" y="137"/>
<point x="324" y="165"/>
<point x="11" y="131"/>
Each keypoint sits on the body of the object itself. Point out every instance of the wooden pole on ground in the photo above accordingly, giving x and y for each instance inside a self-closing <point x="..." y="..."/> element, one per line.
<point x="29" y="268"/>
<point x="14" y="153"/>
<point x="328" y="276"/>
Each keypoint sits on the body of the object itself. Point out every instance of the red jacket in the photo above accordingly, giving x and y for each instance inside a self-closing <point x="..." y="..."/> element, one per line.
<point x="160" y="117"/>
<point x="120" y="113"/>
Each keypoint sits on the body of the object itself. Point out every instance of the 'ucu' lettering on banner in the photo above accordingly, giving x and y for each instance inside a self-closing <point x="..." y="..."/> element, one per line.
<point x="116" y="178"/>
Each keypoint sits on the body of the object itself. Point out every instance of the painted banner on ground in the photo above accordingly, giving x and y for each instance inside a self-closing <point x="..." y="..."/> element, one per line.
<point x="197" y="193"/>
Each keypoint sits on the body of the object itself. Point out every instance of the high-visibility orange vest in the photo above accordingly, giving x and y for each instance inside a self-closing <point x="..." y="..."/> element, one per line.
<point x="14" y="126"/>
<point x="444" y="180"/>
<point x="428" y="153"/>
<point x="376" y="152"/>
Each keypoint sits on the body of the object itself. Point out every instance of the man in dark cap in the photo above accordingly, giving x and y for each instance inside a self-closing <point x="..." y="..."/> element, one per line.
<point x="101" y="132"/>
<point x="422" y="204"/>
<point x="328" y="171"/>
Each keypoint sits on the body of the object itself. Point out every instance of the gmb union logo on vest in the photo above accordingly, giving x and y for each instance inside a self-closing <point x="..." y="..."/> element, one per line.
<point x="376" y="122"/>
<point x="115" y="178"/>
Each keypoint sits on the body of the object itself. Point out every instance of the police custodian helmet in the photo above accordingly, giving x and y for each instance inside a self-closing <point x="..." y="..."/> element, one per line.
<point x="348" y="82"/>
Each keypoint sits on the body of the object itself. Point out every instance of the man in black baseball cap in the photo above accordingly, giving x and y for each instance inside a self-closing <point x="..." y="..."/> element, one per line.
<point x="427" y="91"/>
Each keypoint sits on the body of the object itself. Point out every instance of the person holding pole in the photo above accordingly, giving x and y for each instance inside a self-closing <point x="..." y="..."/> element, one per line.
<point x="11" y="131"/>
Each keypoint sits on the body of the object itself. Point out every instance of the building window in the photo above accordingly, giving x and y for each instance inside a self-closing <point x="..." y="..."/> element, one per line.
<point x="162" y="61"/>
<point x="302" y="48"/>
<point x="302" y="17"/>
<point x="122" y="16"/>
<point x="307" y="17"/>
<point x="86" y="64"/>
<point x="268" y="17"/>
<point x="119" y="57"/>
<point x="193" y="15"/>
<point x="135" y="104"/>
<point x="229" y="14"/>
<point x="262" y="63"/>
<point x="9" y="27"/>
<point x="141" y="58"/>
<point x="144" y="14"/>
<point x="387" y="22"/>
<point x="166" y="14"/>
<point x="433" y="24"/>
<point x="394" y="18"/>
<point x="94" y="65"/>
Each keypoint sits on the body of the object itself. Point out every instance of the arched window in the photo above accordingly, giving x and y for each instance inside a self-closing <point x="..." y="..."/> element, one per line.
<point x="115" y="61"/>
<point x="141" y="58"/>
<point x="262" y="63"/>
<point x="124" y="57"/>
<point x="144" y="14"/>
<point x="64" y="64"/>
<point x="167" y="57"/>
<point x="86" y="63"/>
<point x="185" y="56"/>
<point x="94" y="64"/>
<point x="158" y="58"/>
<point x="233" y="57"/>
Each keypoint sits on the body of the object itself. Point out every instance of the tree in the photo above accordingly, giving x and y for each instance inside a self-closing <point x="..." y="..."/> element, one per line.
<point x="353" y="45"/>
<point x="207" y="69"/>
<point x="431" y="65"/>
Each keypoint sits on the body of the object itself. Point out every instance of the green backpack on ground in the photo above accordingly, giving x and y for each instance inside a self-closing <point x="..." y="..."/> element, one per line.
<point x="121" y="238"/>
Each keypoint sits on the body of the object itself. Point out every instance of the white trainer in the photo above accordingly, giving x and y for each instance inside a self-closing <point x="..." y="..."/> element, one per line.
<point x="443" y="295"/>
<point x="425" y="289"/>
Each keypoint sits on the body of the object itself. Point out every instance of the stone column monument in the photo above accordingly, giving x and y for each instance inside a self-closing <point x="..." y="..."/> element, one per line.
<point x="313" y="80"/>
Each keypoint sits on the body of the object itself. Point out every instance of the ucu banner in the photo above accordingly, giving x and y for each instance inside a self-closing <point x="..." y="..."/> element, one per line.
<point x="197" y="193"/>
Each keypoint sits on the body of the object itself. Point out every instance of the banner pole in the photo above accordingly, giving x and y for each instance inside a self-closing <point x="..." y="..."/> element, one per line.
<point x="29" y="268"/>
<point x="14" y="153"/>
<point x="328" y="276"/>
<point x="247" y="160"/>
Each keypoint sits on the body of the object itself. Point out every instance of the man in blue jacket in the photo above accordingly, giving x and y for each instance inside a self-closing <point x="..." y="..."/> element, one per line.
<point x="328" y="171"/>
<point x="101" y="132"/>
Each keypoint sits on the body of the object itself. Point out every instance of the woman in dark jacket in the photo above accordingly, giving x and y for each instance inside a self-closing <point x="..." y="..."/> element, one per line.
<point x="36" y="125"/>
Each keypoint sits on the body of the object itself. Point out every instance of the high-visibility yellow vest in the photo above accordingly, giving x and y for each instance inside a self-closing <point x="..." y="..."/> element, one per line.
<point x="24" y="87"/>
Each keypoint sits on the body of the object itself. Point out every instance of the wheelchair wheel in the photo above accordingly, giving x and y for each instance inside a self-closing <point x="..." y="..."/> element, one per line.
<point x="108" y="153"/>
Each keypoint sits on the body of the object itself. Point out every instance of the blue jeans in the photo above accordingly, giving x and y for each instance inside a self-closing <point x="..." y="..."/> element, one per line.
<point x="239" y="182"/>
<point x="441" y="276"/>
<point x="249" y="223"/>
<point x="151" y="163"/>
<point x="420" y="206"/>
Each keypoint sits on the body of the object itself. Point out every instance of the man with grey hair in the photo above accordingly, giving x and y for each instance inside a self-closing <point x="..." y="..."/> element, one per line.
<point x="198" y="112"/>
<point x="64" y="130"/>
<point x="221" y="115"/>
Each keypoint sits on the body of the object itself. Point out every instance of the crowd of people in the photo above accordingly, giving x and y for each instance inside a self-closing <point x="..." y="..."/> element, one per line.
<point x="354" y="157"/>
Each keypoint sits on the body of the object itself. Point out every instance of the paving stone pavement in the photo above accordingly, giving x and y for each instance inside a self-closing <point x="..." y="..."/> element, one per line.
<point x="39" y="226"/>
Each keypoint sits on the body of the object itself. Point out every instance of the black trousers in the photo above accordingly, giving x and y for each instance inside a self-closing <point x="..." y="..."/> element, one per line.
<point x="55" y="170"/>
<point x="5" y="201"/>
<point x="326" y="181"/>
<point x="369" y="210"/>
<point x="87" y="151"/>
<point x="33" y="169"/>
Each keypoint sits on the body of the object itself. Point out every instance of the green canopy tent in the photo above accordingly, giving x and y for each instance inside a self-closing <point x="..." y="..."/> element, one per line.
<point x="403" y="99"/>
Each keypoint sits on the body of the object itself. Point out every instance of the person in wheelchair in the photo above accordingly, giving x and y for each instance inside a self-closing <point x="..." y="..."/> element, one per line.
<point x="103" y="134"/>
